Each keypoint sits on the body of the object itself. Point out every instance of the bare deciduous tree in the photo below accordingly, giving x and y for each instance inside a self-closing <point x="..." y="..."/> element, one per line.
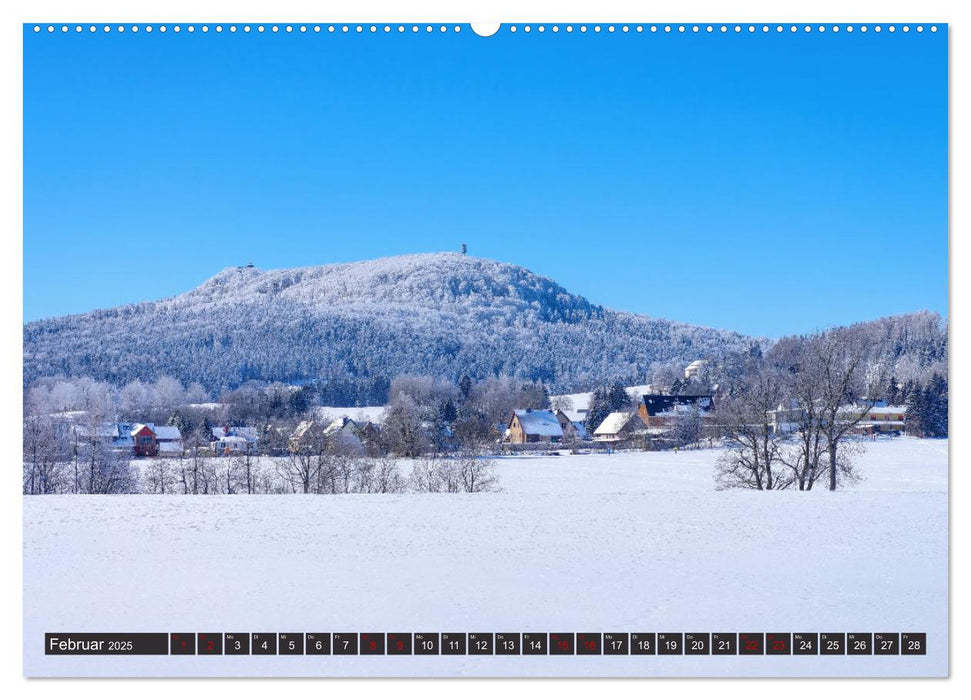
<point x="745" y="420"/>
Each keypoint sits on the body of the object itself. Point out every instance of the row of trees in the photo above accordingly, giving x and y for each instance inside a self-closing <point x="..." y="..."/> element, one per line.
<point x="110" y="473"/>
<point x="57" y="460"/>
<point x="787" y="422"/>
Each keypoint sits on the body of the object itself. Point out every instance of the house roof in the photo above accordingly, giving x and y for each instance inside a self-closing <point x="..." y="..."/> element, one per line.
<point x="167" y="432"/>
<point x="543" y="423"/>
<point x="101" y="430"/>
<point x="658" y="403"/>
<point x="614" y="423"/>
<point x="339" y="424"/>
<point x="887" y="410"/>
<point x="302" y="428"/>
<point x="575" y="416"/>
<point x="232" y="439"/>
<point x="242" y="431"/>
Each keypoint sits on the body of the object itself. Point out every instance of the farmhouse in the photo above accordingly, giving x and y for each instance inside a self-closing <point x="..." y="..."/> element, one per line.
<point x="619" y="426"/>
<point x="527" y="425"/>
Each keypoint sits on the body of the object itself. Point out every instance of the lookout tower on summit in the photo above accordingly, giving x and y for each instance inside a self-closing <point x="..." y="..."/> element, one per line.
<point x="464" y="249"/>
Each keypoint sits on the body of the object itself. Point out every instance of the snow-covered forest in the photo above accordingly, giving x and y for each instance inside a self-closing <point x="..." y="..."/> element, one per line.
<point x="350" y="329"/>
<point x="355" y="327"/>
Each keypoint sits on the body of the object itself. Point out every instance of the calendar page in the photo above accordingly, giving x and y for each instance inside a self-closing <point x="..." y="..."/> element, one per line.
<point x="517" y="349"/>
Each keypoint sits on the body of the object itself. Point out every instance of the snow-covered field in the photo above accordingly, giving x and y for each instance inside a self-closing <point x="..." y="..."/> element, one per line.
<point x="621" y="542"/>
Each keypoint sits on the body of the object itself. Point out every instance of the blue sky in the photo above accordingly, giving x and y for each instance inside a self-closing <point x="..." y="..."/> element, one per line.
<point x="767" y="183"/>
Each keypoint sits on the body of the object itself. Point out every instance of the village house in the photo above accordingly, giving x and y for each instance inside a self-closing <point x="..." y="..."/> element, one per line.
<point x="340" y="434"/>
<point x="883" y="420"/>
<point x="307" y="436"/>
<point x="152" y="440"/>
<point x="527" y="425"/>
<point x="787" y="419"/>
<point x="345" y="435"/>
<point x="102" y="433"/>
<point x="234" y="440"/>
<point x="620" y="426"/>
<point x="572" y="426"/>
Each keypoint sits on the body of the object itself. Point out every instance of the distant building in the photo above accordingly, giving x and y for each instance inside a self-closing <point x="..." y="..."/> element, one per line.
<point x="618" y="426"/>
<point x="787" y="418"/>
<point x="234" y="440"/>
<point x="340" y="434"/>
<point x="306" y="436"/>
<point x="152" y="440"/>
<point x="145" y="443"/>
<point x="527" y="425"/>
<point x="103" y="433"/>
<point x="883" y="420"/>
<point x="694" y="369"/>
<point x="572" y="428"/>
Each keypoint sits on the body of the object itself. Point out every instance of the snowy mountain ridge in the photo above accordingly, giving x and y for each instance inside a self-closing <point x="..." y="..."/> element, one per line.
<point x="429" y="280"/>
<point x="441" y="314"/>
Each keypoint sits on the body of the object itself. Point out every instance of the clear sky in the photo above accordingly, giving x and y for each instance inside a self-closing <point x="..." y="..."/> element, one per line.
<point x="767" y="183"/>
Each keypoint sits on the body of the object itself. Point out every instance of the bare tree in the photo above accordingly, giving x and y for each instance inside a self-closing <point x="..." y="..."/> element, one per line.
<point x="404" y="432"/>
<point x="46" y="453"/>
<point x="160" y="476"/>
<point x="745" y="420"/>
<point x="832" y="378"/>
<point x="478" y="475"/>
<point x="301" y="470"/>
<point x="467" y="474"/>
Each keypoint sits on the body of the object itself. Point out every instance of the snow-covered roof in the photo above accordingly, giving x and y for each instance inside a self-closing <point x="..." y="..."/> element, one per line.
<point x="101" y="430"/>
<point x="575" y="416"/>
<point x="167" y="432"/>
<point x="246" y="432"/>
<point x="232" y="440"/>
<point x="613" y="423"/>
<point x="581" y="429"/>
<point x="674" y="411"/>
<point x="542" y="423"/>
<point x="887" y="410"/>
<point x="339" y="424"/>
<point x="359" y="414"/>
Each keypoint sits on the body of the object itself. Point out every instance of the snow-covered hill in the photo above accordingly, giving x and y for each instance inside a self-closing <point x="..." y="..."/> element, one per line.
<point x="440" y="314"/>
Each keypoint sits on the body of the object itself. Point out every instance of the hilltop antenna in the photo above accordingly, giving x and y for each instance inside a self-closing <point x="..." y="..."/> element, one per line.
<point x="464" y="249"/>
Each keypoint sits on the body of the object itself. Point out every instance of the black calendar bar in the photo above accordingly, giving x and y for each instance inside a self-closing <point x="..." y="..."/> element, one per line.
<point x="488" y="643"/>
<point x="84" y="644"/>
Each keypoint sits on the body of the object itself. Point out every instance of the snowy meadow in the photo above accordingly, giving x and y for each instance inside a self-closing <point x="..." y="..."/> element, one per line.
<point x="621" y="542"/>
